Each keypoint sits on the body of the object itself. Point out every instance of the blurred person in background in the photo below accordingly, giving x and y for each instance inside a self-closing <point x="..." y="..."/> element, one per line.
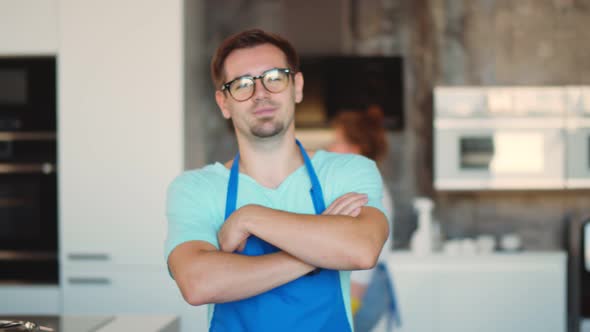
<point x="372" y="292"/>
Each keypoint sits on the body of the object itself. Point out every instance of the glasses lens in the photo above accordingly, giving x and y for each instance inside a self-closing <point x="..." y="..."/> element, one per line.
<point x="275" y="80"/>
<point x="242" y="88"/>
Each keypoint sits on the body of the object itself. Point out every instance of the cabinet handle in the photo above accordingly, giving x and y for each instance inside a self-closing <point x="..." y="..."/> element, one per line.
<point x="89" y="281"/>
<point x="89" y="257"/>
<point x="44" y="168"/>
<point x="27" y="136"/>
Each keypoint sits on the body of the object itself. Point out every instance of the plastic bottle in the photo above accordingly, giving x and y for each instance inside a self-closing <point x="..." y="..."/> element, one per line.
<point x="422" y="239"/>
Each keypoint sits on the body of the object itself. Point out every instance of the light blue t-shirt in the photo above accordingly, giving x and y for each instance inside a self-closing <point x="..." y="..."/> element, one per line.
<point x="196" y="199"/>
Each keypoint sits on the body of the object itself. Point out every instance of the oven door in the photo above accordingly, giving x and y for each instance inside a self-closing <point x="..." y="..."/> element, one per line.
<point x="28" y="208"/>
<point x="27" y="94"/>
<point x="491" y="154"/>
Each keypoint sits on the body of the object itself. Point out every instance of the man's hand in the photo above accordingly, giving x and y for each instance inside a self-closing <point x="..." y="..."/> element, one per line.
<point x="348" y="204"/>
<point x="233" y="234"/>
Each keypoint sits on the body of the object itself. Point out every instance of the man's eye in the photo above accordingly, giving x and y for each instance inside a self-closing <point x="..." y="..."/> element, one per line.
<point x="243" y="84"/>
<point x="274" y="78"/>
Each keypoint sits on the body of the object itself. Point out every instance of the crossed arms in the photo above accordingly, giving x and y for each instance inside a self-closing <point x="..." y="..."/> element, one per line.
<point x="347" y="236"/>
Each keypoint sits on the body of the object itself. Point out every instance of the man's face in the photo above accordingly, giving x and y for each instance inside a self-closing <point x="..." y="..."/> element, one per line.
<point x="265" y="114"/>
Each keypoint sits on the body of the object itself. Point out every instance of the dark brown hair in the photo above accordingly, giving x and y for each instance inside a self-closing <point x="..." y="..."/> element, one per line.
<point x="248" y="39"/>
<point x="365" y="129"/>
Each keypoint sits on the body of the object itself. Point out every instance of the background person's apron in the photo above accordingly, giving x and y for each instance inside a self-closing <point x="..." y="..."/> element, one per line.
<point x="310" y="303"/>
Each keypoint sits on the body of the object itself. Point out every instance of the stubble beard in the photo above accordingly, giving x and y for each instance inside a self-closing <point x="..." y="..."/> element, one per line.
<point x="267" y="127"/>
<point x="262" y="128"/>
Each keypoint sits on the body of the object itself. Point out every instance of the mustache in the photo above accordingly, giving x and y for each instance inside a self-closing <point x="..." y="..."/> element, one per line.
<point x="263" y="102"/>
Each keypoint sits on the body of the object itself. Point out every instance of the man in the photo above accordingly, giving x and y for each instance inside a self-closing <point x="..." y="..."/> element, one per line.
<point x="253" y="237"/>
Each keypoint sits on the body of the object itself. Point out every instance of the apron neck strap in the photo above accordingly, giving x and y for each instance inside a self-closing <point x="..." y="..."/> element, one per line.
<point x="316" y="193"/>
<point x="232" y="187"/>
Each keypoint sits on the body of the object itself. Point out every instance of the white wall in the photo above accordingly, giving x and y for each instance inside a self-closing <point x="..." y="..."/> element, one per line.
<point x="28" y="27"/>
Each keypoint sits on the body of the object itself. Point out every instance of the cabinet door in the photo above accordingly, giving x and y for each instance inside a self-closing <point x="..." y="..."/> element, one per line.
<point x="29" y="300"/>
<point x="491" y="298"/>
<point x="120" y="127"/>
<point x="103" y="291"/>
<point x="417" y="297"/>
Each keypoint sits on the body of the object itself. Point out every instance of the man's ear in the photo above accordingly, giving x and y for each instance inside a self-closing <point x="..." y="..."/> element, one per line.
<point x="221" y="99"/>
<point x="298" y="87"/>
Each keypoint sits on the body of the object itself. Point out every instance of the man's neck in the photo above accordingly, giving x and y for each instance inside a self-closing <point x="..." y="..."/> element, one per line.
<point x="270" y="161"/>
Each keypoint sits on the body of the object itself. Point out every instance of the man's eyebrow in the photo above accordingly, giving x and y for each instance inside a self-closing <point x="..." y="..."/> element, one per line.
<point x="251" y="75"/>
<point x="237" y="77"/>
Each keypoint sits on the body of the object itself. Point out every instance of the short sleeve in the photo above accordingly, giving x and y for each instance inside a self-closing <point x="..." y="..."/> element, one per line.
<point x="190" y="212"/>
<point x="361" y="175"/>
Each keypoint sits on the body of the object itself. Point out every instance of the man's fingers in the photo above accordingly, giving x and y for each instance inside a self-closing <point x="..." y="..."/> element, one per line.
<point x="352" y="205"/>
<point x="340" y="206"/>
<point x="242" y="246"/>
<point x="346" y="203"/>
<point x="332" y="209"/>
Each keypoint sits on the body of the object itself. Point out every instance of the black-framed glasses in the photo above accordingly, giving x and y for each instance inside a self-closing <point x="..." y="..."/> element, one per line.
<point x="274" y="80"/>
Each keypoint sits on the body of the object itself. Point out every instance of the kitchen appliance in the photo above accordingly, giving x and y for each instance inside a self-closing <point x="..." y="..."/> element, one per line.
<point x="499" y="138"/>
<point x="28" y="176"/>
<point x="577" y="243"/>
<point x="337" y="83"/>
<point x="27" y="93"/>
<point x="584" y="269"/>
<point x="578" y="137"/>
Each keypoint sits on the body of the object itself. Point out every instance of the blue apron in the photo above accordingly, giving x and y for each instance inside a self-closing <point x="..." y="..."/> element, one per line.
<point x="310" y="303"/>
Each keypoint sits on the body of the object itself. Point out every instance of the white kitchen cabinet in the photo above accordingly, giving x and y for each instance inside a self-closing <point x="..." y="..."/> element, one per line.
<point x="416" y="293"/>
<point x="28" y="27"/>
<point x="29" y="300"/>
<point x="498" y="292"/>
<point x="120" y="127"/>
<point x="135" y="290"/>
<point x="121" y="142"/>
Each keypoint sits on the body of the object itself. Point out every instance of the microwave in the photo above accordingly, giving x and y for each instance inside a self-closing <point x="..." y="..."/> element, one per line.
<point x="499" y="138"/>
<point x="28" y="93"/>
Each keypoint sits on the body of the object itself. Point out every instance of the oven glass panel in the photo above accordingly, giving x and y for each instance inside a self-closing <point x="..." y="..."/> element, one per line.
<point x="476" y="153"/>
<point x="28" y="212"/>
<point x="518" y="153"/>
<point x="19" y="209"/>
<point x="13" y="86"/>
<point x="27" y="151"/>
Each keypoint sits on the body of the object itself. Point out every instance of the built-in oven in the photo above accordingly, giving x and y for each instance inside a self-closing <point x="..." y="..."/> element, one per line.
<point x="27" y="93"/>
<point x="28" y="170"/>
<point x="28" y="207"/>
<point x="499" y="138"/>
<point x="578" y="137"/>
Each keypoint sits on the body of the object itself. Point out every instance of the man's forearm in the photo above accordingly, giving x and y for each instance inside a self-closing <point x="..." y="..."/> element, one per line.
<point x="328" y="241"/>
<point x="216" y="277"/>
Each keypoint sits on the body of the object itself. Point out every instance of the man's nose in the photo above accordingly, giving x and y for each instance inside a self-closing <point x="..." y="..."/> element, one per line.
<point x="260" y="91"/>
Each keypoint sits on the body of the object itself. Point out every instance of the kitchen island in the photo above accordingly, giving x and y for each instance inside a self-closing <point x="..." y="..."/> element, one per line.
<point x="510" y="292"/>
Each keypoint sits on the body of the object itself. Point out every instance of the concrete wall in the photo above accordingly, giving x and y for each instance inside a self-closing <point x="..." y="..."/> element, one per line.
<point x="450" y="42"/>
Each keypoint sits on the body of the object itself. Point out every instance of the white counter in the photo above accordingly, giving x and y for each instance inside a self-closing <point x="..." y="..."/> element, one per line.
<point x="98" y="323"/>
<point x="470" y="261"/>
<point x="523" y="291"/>
<point x="142" y="323"/>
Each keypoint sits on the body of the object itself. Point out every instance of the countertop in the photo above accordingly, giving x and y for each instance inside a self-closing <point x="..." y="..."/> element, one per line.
<point x="65" y="323"/>
<point x="499" y="257"/>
